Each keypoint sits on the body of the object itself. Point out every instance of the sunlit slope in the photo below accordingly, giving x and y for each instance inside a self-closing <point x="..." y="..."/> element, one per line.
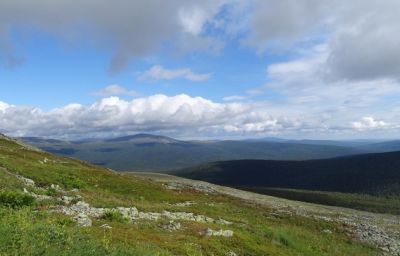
<point x="35" y="229"/>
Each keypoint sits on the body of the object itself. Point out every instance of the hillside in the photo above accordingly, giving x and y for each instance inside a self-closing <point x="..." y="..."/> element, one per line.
<point x="377" y="175"/>
<point x="54" y="205"/>
<point x="145" y="152"/>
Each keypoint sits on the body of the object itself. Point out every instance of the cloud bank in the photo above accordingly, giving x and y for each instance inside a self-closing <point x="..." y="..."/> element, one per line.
<point x="174" y="115"/>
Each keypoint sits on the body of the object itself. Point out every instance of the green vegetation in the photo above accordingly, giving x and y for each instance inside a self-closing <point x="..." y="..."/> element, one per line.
<point x="14" y="199"/>
<point x="115" y="216"/>
<point x="24" y="232"/>
<point x="34" y="230"/>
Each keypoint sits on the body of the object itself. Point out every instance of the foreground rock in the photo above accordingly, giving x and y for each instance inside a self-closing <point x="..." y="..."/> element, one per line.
<point x="224" y="233"/>
<point x="171" y="226"/>
<point x="83" y="220"/>
<point x="82" y="209"/>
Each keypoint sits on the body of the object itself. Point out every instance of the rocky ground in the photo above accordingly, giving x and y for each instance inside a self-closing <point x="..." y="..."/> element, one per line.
<point x="380" y="230"/>
<point x="71" y="203"/>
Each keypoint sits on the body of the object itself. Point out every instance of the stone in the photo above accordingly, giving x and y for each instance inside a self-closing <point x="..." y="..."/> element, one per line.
<point x="224" y="233"/>
<point x="57" y="188"/>
<point x="26" y="181"/>
<point x="83" y="220"/>
<point x="223" y="222"/>
<point x="171" y="226"/>
<point x="231" y="253"/>
<point x="106" y="226"/>
<point x="185" y="204"/>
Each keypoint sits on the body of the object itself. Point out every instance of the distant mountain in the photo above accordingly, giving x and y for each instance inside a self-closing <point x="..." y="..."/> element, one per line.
<point x="385" y="146"/>
<point x="144" y="138"/>
<point x="368" y="173"/>
<point x="144" y="152"/>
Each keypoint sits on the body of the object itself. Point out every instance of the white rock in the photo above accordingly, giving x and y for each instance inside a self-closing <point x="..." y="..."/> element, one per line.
<point x="224" y="233"/>
<point x="83" y="220"/>
<point x="26" y="181"/>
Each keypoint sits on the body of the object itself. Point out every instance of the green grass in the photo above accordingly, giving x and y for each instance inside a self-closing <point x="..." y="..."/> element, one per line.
<point x="32" y="230"/>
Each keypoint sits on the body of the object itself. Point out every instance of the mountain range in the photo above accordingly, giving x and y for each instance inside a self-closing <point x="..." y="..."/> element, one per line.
<point x="146" y="152"/>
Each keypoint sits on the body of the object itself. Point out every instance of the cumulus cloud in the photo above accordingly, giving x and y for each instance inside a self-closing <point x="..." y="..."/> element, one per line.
<point x="369" y="123"/>
<point x="157" y="113"/>
<point x="158" y="72"/>
<point x="111" y="115"/>
<point x="177" y="115"/>
<point x="115" y="89"/>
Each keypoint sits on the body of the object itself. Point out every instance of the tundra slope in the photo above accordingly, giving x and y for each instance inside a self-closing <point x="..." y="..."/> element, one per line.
<point x="54" y="205"/>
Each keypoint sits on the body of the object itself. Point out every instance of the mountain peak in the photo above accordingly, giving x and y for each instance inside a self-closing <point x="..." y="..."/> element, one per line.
<point x="144" y="138"/>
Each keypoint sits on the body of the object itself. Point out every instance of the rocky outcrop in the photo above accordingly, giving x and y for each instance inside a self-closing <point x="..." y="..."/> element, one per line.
<point x="27" y="182"/>
<point x="371" y="234"/>
<point x="83" y="220"/>
<point x="185" y="204"/>
<point x="171" y="226"/>
<point x="133" y="214"/>
<point x="224" y="233"/>
<point x="198" y="187"/>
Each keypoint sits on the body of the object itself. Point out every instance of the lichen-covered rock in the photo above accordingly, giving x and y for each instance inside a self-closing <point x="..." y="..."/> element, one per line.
<point x="171" y="226"/>
<point x="224" y="233"/>
<point x="26" y="181"/>
<point x="106" y="226"/>
<point x="83" y="220"/>
<point x="202" y="188"/>
<point x="185" y="204"/>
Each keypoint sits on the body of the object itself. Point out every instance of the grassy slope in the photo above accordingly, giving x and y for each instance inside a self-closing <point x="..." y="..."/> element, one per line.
<point x="34" y="231"/>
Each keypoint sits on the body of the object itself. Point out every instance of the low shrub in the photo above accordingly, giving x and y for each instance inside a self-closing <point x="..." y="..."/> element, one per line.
<point x="14" y="199"/>
<point x="115" y="216"/>
<point x="70" y="182"/>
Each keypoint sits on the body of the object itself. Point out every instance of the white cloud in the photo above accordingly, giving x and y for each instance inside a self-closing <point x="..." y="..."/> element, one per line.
<point x="158" y="72"/>
<point x="369" y="123"/>
<point x="182" y="114"/>
<point x="234" y="98"/>
<point x="130" y="29"/>
<point x="3" y="106"/>
<point x="112" y="115"/>
<point x="114" y="90"/>
<point x="361" y="35"/>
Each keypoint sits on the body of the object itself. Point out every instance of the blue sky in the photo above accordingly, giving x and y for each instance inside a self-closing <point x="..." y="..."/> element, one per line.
<point x="226" y="68"/>
<point x="54" y="74"/>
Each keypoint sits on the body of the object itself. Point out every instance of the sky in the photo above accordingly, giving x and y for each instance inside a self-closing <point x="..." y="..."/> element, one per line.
<point x="313" y="69"/>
